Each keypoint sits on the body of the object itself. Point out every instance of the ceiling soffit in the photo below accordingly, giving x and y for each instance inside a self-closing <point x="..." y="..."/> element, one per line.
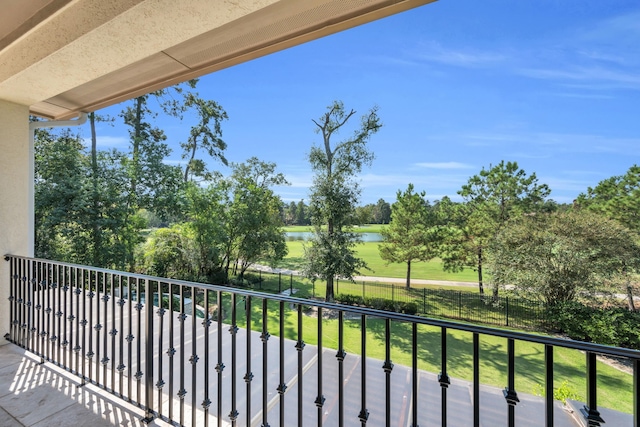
<point x="245" y="34"/>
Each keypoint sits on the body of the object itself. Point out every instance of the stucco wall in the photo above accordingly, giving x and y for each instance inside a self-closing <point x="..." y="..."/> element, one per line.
<point x="15" y="196"/>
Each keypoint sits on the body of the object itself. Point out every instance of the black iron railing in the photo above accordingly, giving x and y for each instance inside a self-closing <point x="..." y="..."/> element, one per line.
<point x="99" y="325"/>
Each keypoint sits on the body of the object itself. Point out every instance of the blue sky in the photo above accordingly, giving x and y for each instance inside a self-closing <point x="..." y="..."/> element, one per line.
<point x="461" y="84"/>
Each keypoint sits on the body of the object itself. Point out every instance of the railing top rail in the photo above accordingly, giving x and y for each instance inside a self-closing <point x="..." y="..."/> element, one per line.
<point x="503" y="333"/>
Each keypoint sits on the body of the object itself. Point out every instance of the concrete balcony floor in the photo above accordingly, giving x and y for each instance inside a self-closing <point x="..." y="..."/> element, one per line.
<point x="43" y="395"/>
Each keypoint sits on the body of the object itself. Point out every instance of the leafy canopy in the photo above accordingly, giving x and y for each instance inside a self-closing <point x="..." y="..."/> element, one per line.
<point x="555" y="257"/>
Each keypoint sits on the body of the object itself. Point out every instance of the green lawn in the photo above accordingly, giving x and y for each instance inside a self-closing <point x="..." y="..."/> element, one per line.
<point x="369" y="252"/>
<point x="614" y="387"/>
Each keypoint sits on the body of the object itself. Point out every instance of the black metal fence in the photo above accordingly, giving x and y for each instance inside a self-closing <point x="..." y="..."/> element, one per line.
<point x="449" y="304"/>
<point x="205" y="354"/>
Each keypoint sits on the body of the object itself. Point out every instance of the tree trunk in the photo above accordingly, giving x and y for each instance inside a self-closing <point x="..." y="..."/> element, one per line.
<point x="137" y="136"/>
<point x="408" y="284"/>
<point x="632" y="304"/>
<point x="329" y="296"/>
<point x="95" y="226"/>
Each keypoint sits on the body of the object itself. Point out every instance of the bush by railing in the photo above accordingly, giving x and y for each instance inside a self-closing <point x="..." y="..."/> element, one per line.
<point x="459" y="305"/>
<point x="611" y="326"/>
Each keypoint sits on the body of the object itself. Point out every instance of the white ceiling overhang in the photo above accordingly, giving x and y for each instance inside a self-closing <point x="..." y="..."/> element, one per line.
<point x="62" y="57"/>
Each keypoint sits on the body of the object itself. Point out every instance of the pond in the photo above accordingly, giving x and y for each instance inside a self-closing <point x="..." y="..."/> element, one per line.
<point x="292" y="236"/>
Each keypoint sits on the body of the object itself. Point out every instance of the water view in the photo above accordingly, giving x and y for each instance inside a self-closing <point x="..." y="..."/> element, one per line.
<point x="292" y="236"/>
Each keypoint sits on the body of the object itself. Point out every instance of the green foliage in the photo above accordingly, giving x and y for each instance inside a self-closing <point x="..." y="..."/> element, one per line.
<point x="334" y="196"/>
<point x="491" y="198"/>
<point x="609" y="326"/>
<point x="173" y="253"/>
<point x="232" y="222"/>
<point x="617" y="198"/>
<point x="378" y="303"/>
<point x="255" y="214"/>
<point x="382" y="212"/>
<point x="296" y="213"/>
<point x="153" y="185"/>
<point x="75" y="200"/>
<point x="563" y="392"/>
<point x="555" y="256"/>
<point x="209" y="226"/>
<point x="205" y="135"/>
<point x="408" y="238"/>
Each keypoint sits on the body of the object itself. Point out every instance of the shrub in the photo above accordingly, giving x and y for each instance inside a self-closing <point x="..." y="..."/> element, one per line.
<point x="410" y="308"/>
<point x="252" y="278"/>
<point x="348" y="299"/>
<point x="609" y="326"/>
<point x="238" y="281"/>
<point x="563" y="392"/>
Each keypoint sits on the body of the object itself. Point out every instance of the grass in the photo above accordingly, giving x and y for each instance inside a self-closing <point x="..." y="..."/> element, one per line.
<point x="614" y="387"/>
<point x="368" y="251"/>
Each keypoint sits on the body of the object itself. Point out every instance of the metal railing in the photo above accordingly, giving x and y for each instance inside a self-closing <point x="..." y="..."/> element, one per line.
<point x="184" y="358"/>
<point x="467" y="306"/>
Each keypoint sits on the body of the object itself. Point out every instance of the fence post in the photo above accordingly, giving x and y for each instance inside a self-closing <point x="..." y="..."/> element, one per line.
<point x="507" y="310"/>
<point x="149" y="355"/>
<point x="279" y="282"/>
<point x="393" y="291"/>
<point x="363" y="295"/>
<point x="260" y="278"/>
<point x="459" y="304"/>
<point x="291" y="285"/>
<point x="424" y="300"/>
<point x="337" y="285"/>
<point x="313" y="285"/>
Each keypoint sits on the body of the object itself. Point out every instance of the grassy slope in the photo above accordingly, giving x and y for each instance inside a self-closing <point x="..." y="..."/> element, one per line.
<point x="369" y="252"/>
<point x="614" y="387"/>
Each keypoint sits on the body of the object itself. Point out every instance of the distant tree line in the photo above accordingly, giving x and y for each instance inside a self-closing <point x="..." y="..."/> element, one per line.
<point x="298" y="213"/>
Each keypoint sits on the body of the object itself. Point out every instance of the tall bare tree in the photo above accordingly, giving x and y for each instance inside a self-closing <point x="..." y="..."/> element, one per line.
<point x="335" y="194"/>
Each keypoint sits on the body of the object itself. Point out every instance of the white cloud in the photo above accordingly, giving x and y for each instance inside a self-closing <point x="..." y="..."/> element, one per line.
<point x="421" y="182"/>
<point x="552" y="142"/>
<point x="173" y="162"/>
<point x="444" y="165"/>
<point x="109" y="141"/>
<point x="299" y="180"/>
<point x="434" y="52"/>
<point x="592" y="77"/>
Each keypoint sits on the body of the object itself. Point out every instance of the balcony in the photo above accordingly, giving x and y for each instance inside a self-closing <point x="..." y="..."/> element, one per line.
<point x="111" y="359"/>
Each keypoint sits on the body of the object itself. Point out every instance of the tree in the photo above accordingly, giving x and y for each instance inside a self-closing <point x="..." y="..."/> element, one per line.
<point x="302" y="214"/>
<point x="617" y="198"/>
<point x="491" y="198"/>
<point x="291" y="213"/>
<point x="555" y="257"/>
<point x="60" y="193"/>
<point x="364" y="214"/>
<point x="407" y="238"/>
<point x="334" y="195"/>
<point x="255" y="213"/>
<point x="171" y="252"/>
<point x="382" y="212"/>
<point x="79" y="195"/>
<point x="153" y="184"/>
<point x="211" y="229"/>
<point x="206" y="135"/>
